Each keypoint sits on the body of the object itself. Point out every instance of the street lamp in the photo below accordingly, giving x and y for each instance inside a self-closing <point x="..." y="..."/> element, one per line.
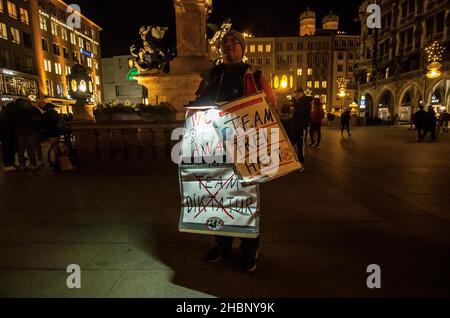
<point x="342" y="89"/>
<point x="80" y="88"/>
<point x="434" y="57"/>
<point x="434" y="54"/>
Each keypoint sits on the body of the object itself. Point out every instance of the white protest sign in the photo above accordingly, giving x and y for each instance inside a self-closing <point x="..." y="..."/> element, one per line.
<point x="214" y="202"/>
<point x="201" y="143"/>
<point x="261" y="148"/>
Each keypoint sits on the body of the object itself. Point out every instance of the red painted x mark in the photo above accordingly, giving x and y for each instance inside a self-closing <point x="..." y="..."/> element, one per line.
<point x="213" y="196"/>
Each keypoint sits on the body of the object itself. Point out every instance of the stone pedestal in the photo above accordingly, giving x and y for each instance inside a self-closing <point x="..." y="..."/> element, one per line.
<point x="83" y="112"/>
<point x="179" y="86"/>
<point x="176" y="89"/>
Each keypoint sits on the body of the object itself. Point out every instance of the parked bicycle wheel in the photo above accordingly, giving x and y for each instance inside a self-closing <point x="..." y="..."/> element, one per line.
<point x="57" y="150"/>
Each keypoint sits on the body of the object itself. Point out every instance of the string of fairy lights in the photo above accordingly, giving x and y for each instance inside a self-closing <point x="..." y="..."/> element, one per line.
<point x="434" y="52"/>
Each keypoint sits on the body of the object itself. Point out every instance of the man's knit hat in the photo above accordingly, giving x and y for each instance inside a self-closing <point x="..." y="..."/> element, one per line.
<point x="238" y="36"/>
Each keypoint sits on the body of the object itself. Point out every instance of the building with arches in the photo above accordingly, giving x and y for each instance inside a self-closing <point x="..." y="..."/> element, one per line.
<point x="392" y="74"/>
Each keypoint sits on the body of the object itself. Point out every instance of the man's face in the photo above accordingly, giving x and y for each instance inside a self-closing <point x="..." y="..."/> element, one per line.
<point x="231" y="50"/>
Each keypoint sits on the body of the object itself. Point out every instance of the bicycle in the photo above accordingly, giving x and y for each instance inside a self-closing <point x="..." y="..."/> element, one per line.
<point x="63" y="148"/>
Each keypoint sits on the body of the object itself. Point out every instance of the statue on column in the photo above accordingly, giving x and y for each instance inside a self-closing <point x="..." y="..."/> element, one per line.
<point x="152" y="55"/>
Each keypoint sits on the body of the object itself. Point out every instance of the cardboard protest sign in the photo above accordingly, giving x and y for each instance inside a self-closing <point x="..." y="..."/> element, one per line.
<point x="201" y="142"/>
<point x="214" y="202"/>
<point x="260" y="146"/>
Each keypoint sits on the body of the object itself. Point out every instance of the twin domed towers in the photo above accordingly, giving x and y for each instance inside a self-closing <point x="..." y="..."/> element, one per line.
<point x="308" y="22"/>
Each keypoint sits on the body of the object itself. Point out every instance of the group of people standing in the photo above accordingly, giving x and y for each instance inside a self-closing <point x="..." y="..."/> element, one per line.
<point x="23" y="126"/>
<point x="427" y="122"/>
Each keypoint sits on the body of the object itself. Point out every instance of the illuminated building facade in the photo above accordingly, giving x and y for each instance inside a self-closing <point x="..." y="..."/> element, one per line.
<point x="119" y="85"/>
<point x="48" y="46"/>
<point x="314" y="61"/>
<point x="395" y="63"/>
<point x="18" y="69"/>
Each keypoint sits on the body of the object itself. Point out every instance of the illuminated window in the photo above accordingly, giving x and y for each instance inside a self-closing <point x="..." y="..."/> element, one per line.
<point x="1" y="6"/>
<point x="64" y="34"/>
<point x="88" y="46"/>
<point x="12" y="10"/>
<point x="83" y="86"/>
<point x="43" y="23"/>
<point x="49" y="85"/>
<point x="15" y="35"/>
<point x="291" y="81"/>
<point x="54" y="29"/>
<point x="309" y="84"/>
<point x="310" y="71"/>
<point x="96" y="65"/>
<point x="90" y="87"/>
<point x="3" y="32"/>
<point x="59" y="89"/>
<point x="299" y="72"/>
<point x="68" y="70"/>
<point x="94" y="48"/>
<point x="316" y="84"/>
<point x="81" y="42"/>
<point x="260" y="48"/>
<point x="89" y="62"/>
<point x="252" y="49"/>
<point x="324" y="84"/>
<point x="97" y="80"/>
<point x="268" y="48"/>
<point x="276" y="82"/>
<point x="58" y="69"/>
<point x="24" y="16"/>
<point x="47" y="65"/>
<point x="73" y="38"/>
<point x="73" y="85"/>
<point x="284" y="81"/>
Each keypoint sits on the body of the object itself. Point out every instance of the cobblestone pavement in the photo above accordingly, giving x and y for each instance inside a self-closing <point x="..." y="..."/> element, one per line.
<point x="378" y="197"/>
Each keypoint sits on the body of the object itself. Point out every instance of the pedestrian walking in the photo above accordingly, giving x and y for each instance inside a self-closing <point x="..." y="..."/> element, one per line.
<point x="23" y="130"/>
<point x="302" y="117"/>
<point x="411" y="123"/>
<point x="317" y="116"/>
<point x="227" y="81"/>
<point x="396" y="120"/>
<point x="420" y="119"/>
<point x="430" y="123"/>
<point x="345" y="122"/>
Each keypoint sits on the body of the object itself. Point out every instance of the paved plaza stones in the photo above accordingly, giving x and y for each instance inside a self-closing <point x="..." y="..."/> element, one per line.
<point x="377" y="198"/>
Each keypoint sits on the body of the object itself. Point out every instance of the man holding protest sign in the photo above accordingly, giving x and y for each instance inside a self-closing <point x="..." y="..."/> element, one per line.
<point x="225" y="82"/>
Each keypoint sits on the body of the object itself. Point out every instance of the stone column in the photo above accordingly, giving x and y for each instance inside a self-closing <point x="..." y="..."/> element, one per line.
<point x="192" y="46"/>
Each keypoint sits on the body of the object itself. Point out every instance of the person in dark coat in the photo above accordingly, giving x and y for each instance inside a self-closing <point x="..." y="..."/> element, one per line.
<point x="7" y="137"/>
<point x="302" y="115"/>
<point x="430" y="123"/>
<point x="51" y="123"/>
<point x="225" y="82"/>
<point x="420" y="118"/>
<point x="23" y="130"/>
<point x="345" y="122"/>
<point x="317" y="115"/>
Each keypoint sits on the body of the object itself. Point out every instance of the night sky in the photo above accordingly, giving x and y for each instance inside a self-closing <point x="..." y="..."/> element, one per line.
<point x="121" y="20"/>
